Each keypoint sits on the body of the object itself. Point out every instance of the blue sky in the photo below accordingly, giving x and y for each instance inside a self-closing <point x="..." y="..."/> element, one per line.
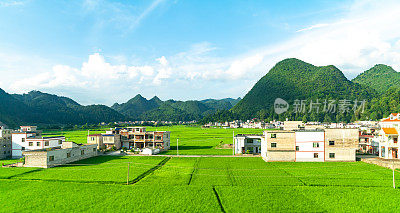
<point x="98" y="51"/>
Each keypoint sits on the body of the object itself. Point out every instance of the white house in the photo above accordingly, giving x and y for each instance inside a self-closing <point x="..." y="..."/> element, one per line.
<point x="388" y="137"/>
<point x="247" y="143"/>
<point x="29" y="140"/>
<point x="309" y="145"/>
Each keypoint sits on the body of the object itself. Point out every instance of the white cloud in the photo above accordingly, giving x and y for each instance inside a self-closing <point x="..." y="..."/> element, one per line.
<point x="367" y="34"/>
<point x="11" y="3"/>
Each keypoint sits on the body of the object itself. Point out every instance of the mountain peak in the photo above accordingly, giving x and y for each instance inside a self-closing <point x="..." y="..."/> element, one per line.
<point x="380" y="77"/>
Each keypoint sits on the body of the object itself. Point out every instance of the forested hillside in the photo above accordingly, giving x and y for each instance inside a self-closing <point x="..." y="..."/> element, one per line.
<point x="380" y="77"/>
<point x="293" y="79"/>
<point x="44" y="109"/>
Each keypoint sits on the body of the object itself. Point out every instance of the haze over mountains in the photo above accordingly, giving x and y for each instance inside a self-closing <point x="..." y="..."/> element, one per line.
<point x="290" y="79"/>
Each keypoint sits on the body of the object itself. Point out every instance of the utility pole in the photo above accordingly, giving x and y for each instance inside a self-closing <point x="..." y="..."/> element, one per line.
<point x="177" y="145"/>
<point x="394" y="181"/>
<point x="127" y="178"/>
<point x="233" y="143"/>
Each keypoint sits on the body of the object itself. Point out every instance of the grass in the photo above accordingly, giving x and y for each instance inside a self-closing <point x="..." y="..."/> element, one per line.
<point x="192" y="140"/>
<point x="201" y="184"/>
<point x="197" y="184"/>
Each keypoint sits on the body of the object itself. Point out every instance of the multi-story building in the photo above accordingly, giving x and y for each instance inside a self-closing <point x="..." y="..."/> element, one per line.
<point x="26" y="139"/>
<point x="247" y="143"/>
<point x="139" y="138"/>
<point x="318" y="145"/>
<point x="105" y="141"/>
<point x="131" y="138"/>
<point x="5" y="143"/>
<point x="388" y="137"/>
<point x="67" y="153"/>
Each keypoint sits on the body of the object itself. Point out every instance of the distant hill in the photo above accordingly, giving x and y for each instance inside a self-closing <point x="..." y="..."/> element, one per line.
<point x="136" y="106"/>
<point x="293" y="79"/>
<point x="41" y="109"/>
<point x="380" y="77"/>
<point x="139" y="108"/>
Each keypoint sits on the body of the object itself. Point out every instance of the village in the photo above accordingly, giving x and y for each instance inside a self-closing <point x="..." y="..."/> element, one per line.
<point x="290" y="141"/>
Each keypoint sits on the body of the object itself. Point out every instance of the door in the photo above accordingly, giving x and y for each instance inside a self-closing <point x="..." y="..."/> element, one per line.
<point x="394" y="153"/>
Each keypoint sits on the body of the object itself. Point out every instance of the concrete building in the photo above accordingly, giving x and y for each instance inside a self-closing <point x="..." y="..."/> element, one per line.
<point x="139" y="138"/>
<point x="341" y="144"/>
<point x="5" y="143"/>
<point x="278" y="145"/>
<point x="388" y="137"/>
<point x="30" y="140"/>
<point x="105" y="141"/>
<point x="132" y="138"/>
<point x="306" y="145"/>
<point x="310" y="145"/>
<point x="247" y="143"/>
<point x="292" y="125"/>
<point x="51" y="157"/>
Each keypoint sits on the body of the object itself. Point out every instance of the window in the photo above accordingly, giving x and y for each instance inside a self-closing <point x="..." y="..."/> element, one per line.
<point x="23" y="139"/>
<point x="297" y="148"/>
<point x="315" y="145"/>
<point x="68" y="155"/>
<point x="273" y="144"/>
<point x="331" y="143"/>
<point x="30" y="143"/>
<point x="315" y="155"/>
<point x="51" y="158"/>
<point x="273" y="135"/>
<point x="37" y="143"/>
<point x="94" y="149"/>
<point x="22" y="148"/>
<point x="46" y="143"/>
<point x="59" y="141"/>
<point x="158" y="138"/>
<point x="82" y="152"/>
<point x="249" y="140"/>
<point x="92" y="138"/>
<point x="331" y="155"/>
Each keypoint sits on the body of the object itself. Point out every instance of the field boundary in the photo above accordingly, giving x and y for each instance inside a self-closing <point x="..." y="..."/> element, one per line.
<point x="218" y="199"/>
<point x="194" y="169"/>
<point x="150" y="171"/>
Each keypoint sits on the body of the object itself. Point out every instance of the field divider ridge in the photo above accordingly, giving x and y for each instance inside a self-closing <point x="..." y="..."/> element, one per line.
<point x="150" y="171"/>
<point x="219" y="200"/>
<point x="194" y="170"/>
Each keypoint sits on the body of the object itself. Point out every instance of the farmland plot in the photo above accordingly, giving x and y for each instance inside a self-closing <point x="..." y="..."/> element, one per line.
<point x="106" y="169"/>
<point x="43" y="196"/>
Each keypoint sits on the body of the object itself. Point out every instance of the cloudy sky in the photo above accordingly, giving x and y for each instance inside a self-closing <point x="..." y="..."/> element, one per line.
<point x="102" y="52"/>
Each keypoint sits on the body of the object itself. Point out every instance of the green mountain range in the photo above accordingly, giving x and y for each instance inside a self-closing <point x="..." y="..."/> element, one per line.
<point x="293" y="79"/>
<point x="43" y="109"/>
<point x="290" y="79"/>
<point x="380" y="77"/>
<point x="139" y="108"/>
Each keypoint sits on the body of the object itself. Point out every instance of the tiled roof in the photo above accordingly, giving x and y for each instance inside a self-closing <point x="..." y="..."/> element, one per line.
<point x="390" y="131"/>
<point x="395" y="118"/>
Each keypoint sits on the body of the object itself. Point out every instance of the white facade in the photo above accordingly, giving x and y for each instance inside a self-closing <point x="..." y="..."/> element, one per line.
<point x="388" y="137"/>
<point x="27" y="141"/>
<point x="247" y="144"/>
<point x="310" y="146"/>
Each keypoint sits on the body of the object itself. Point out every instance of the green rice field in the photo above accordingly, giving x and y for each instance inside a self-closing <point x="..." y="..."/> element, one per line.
<point x="199" y="184"/>
<point x="192" y="140"/>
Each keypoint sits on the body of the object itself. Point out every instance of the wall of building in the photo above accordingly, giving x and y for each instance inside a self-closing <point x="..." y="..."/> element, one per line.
<point x="346" y="143"/>
<point x="61" y="156"/>
<point x="5" y="143"/>
<point x="112" y="140"/>
<point x="96" y="139"/>
<point x="285" y="146"/>
<point x="307" y="148"/>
